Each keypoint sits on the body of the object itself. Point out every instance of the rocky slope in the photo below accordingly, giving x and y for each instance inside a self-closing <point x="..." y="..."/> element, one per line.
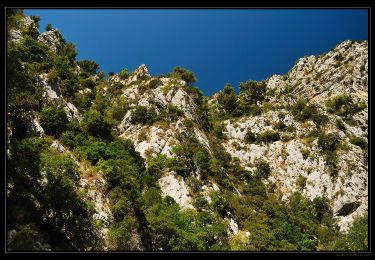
<point x="316" y="79"/>
<point x="175" y="113"/>
<point x="341" y="71"/>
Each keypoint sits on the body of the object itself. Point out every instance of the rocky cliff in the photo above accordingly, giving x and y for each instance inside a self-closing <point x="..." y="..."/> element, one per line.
<point x="310" y="133"/>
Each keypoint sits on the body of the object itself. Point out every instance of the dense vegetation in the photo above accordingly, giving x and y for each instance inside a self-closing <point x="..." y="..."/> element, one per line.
<point x="46" y="202"/>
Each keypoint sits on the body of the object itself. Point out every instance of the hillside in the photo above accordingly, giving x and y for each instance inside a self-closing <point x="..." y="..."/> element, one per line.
<point x="133" y="161"/>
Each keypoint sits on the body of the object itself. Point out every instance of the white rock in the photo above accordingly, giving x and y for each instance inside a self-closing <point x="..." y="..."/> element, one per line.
<point x="175" y="187"/>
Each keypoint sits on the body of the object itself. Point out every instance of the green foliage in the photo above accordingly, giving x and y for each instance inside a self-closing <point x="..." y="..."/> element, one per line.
<point x="250" y="137"/>
<point x="156" y="166"/>
<point x="144" y="115"/>
<point x="123" y="74"/>
<point x="268" y="136"/>
<point x="328" y="142"/>
<point x="191" y="156"/>
<point x="356" y="239"/>
<point x="255" y="91"/>
<point x="171" y="113"/>
<point x="154" y="83"/>
<point x="25" y="238"/>
<point x="340" y="125"/>
<point x="344" y="106"/>
<point x="184" y="74"/>
<point x="263" y="169"/>
<point x="94" y="124"/>
<point x="94" y="151"/>
<point x="219" y="203"/>
<point x="120" y="234"/>
<point x="88" y="68"/>
<point x="301" y="182"/>
<point x="14" y="17"/>
<point x="69" y="50"/>
<point x="53" y="120"/>
<point x="302" y="112"/>
<point x="227" y="99"/>
<point x="48" y="27"/>
<point x="70" y="211"/>
<point x="115" y="113"/>
<point x="24" y="60"/>
<point x="200" y="202"/>
<point x="358" y="141"/>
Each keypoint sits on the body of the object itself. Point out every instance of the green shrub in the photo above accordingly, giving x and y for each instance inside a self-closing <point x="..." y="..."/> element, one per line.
<point x="184" y="74"/>
<point x="331" y="162"/>
<point x="305" y="153"/>
<point x="200" y="202"/>
<point x="358" y="141"/>
<point x="254" y="91"/>
<point x="344" y="106"/>
<point x="250" y="137"/>
<point x="263" y="169"/>
<point x="328" y="142"/>
<point x="268" y="136"/>
<point x="53" y="120"/>
<point x="302" y="112"/>
<point x="301" y="182"/>
<point x="94" y="151"/>
<point x="94" y="124"/>
<point x="72" y="139"/>
<point x="154" y="83"/>
<point x="340" y="125"/>
<point x="49" y="27"/>
<point x="219" y="203"/>
<point x="123" y="74"/>
<point x="88" y="68"/>
<point x="227" y="99"/>
<point x="144" y="115"/>
<point x="69" y="50"/>
<point x="116" y="112"/>
<point x="171" y="113"/>
<point x="281" y="126"/>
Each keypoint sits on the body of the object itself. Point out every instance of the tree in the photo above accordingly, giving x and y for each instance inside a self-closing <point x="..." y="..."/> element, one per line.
<point x="328" y="142"/>
<point x="53" y="120"/>
<point x="144" y="115"/>
<point x="88" y="67"/>
<point x="185" y="75"/>
<point x="227" y="99"/>
<point x="263" y="169"/>
<point x="69" y="50"/>
<point x="49" y="27"/>
<point x="343" y="105"/>
<point x="254" y="91"/>
<point x="94" y="124"/>
<point x="123" y="74"/>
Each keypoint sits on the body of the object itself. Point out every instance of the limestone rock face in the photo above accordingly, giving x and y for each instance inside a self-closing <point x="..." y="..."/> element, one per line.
<point x="52" y="39"/>
<point x="342" y="70"/>
<point x="52" y="91"/>
<point x="175" y="187"/>
<point x="25" y="23"/>
<point x="72" y="112"/>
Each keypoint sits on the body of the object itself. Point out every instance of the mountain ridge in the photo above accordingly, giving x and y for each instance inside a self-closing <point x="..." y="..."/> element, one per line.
<point x="144" y="144"/>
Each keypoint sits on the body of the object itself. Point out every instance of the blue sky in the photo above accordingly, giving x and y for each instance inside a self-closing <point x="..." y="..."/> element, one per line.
<point x="219" y="46"/>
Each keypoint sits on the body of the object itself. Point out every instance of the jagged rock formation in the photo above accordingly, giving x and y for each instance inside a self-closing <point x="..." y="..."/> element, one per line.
<point x="52" y="39"/>
<point x="172" y="113"/>
<point x="316" y="79"/>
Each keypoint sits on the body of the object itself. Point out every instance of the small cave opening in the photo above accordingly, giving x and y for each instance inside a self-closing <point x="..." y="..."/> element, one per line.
<point x="348" y="208"/>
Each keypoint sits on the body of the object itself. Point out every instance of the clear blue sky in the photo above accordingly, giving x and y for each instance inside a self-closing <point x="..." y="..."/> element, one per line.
<point x="219" y="46"/>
